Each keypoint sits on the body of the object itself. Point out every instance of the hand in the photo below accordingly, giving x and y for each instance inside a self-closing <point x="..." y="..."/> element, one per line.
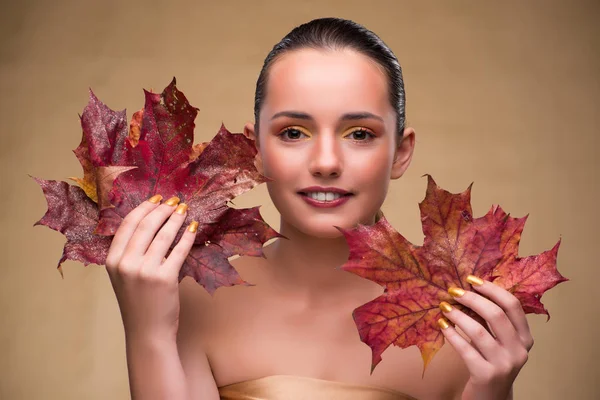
<point x="493" y="362"/>
<point x="145" y="282"/>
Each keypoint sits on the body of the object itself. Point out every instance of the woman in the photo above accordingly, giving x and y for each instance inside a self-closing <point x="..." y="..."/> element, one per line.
<point x="330" y="131"/>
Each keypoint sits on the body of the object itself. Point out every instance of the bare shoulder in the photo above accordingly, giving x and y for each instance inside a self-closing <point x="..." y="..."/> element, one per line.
<point x="195" y="305"/>
<point x="229" y="301"/>
<point x="200" y="308"/>
<point x="205" y="317"/>
<point x="195" y="301"/>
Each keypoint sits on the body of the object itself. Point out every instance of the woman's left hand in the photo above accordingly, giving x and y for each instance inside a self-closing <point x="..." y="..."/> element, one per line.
<point x="493" y="362"/>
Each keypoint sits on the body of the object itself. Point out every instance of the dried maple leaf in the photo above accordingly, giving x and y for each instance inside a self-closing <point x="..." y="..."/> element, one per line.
<point x="416" y="278"/>
<point x="100" y="151"/>
<point x="72" y="213"/>
<point x="125" y="165"/>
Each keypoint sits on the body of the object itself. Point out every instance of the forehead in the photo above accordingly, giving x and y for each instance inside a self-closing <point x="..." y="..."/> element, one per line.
<point x="326" y="83"/>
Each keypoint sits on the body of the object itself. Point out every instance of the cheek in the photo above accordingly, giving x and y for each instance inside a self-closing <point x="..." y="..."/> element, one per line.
<point x="283" y="167"/>
<point x="278" y="164"/>
<point x="374" y="167"/>
<point x="372" y="176"/>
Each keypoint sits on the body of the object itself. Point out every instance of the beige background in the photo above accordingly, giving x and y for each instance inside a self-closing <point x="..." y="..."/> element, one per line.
<point x="505" y="94"/>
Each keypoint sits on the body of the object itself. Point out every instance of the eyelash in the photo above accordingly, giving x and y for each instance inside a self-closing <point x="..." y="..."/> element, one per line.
<point x="286" y="130"/>
<point x="370" y="136"/>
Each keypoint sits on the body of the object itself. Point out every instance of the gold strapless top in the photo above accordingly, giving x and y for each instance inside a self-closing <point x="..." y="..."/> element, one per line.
<point x="288" y="387"/>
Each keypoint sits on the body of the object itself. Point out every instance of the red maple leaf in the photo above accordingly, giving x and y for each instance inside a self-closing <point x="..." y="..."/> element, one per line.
<point x="125" y="165"/>
<point x="416" y="278"/>
<point x="72" y="213"/>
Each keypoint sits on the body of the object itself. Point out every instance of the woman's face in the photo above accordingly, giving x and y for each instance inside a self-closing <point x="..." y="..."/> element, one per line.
<point x="327" y="139"/>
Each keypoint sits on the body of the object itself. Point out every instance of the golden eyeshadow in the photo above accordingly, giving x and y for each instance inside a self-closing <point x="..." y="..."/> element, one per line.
<point x="298" y="128"/>
<point x="354" y="129"/>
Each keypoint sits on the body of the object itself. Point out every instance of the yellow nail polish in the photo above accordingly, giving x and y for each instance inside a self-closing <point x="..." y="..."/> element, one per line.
<point x="155" y="199"/>
<point x="193" y="226"/>
<point x="475" y="281"/>
<point x="456" y="292"/>
<point x="172" y="201"/>
<point x="443" y="323"/>
<point x="445" y="307"/>
<point x="181" y="209"/>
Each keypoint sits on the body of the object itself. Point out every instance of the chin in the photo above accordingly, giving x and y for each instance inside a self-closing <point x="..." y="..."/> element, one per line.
<point x="323" y="226"/>
<point x="321" y="232"/>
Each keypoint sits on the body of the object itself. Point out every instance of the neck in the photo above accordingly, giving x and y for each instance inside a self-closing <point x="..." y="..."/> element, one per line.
<point x="308" y="266"/>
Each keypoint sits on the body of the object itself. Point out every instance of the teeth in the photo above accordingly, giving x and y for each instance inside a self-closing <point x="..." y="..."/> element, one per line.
<point x="324" y="196"/>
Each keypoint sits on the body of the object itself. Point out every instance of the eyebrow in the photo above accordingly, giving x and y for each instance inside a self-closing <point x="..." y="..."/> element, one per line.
<point x="346" y="117"/>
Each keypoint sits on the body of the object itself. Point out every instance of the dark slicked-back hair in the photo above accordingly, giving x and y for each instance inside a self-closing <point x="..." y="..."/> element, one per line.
<point x="338" y="34"/>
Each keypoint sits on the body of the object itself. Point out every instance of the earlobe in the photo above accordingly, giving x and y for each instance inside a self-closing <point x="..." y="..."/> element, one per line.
<point x="404" y="153"/>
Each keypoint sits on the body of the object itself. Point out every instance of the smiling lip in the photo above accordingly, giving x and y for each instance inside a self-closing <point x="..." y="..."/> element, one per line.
<point x="344" y="196"/>
<point x="324" y="189"/>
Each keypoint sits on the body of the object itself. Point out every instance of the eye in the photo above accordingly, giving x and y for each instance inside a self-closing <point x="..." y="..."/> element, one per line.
<point x="293" y="134"/>
<point x="360" y="135"/>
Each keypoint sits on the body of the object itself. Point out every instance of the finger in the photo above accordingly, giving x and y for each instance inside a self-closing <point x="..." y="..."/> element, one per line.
<point x="128" y="227"/>
<point x="147" y="228"/>
<point x="509" y="303"/>
<point x="165" y="236"/>
<point x="173" y="263"/>
<point x="471" y="357"/>
<point x="480" y="337"/>
<point x="494" y="315"/>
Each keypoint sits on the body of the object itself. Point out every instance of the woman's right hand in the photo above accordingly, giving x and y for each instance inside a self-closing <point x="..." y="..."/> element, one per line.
<point x="145" y="282"/>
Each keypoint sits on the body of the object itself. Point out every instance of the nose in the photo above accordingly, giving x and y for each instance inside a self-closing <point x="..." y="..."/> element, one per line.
<point x="326" y="158"/>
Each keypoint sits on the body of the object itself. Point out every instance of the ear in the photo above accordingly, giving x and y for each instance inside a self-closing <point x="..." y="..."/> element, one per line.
<point x="404" y="153"/>
<point x="250" y="133"/>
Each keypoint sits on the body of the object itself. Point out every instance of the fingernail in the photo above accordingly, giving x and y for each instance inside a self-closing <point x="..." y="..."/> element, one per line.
<point x="456" y="292"/>
<point x="155" y="199"/>
<point x="181" y="209"/>
<point x="193" y="226"/>
<point x="172" y="201"/>
<point x="443" y="323"/>
<point x="445" y="307"/>
<point x="475" y="281"/>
